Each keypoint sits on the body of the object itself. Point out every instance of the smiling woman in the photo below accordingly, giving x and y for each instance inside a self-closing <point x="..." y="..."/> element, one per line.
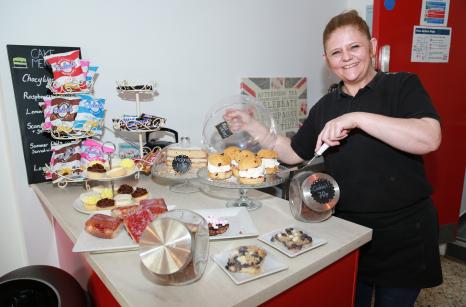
<point x="381" y="124"/>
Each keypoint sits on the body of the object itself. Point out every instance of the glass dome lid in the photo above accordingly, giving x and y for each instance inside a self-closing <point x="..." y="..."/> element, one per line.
<point x="217" y="133"/>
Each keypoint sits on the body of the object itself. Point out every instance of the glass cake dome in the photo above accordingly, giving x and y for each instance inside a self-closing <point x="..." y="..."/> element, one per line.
<point x="218" y="133"/>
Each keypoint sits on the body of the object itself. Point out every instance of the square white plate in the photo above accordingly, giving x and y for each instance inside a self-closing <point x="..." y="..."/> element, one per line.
<point x="316" y="242"/>
<point x="240" y="221"/>
<point x="269" y="266"/>
<point x="122" y="241"/>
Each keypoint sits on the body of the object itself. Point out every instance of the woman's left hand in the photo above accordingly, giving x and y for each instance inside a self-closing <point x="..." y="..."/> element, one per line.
<point x="336" y="130"/>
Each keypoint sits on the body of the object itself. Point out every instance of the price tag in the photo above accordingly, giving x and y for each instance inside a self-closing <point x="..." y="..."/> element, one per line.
<point x="224" y="130"/>
<point x="322" y="191"/>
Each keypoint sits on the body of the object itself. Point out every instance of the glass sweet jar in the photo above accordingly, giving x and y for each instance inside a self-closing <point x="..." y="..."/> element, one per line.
<point x="313" y="196"/>
<point x="175" y="247"/>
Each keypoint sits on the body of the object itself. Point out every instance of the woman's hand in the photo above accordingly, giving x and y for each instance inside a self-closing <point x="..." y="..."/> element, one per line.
<point x="336" y="130"/>
<point x="239" y="119"/>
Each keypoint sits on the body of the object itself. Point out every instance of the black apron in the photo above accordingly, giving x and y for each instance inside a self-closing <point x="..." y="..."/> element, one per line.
<point x="404" y="251"/>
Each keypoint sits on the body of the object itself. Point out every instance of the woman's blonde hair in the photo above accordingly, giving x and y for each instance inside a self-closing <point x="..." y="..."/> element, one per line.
<point x="348" y="18"/>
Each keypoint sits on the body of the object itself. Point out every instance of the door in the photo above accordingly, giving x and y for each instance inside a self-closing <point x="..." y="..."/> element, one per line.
<point x="393" y="23"/>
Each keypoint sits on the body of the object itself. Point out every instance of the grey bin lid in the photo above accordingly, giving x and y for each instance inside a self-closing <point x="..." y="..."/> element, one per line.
<point x="165" y="246"/>
<point x="320" y="192"/>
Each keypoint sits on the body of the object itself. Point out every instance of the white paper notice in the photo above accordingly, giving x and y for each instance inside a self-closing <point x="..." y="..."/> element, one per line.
<point x="431" y="44"/>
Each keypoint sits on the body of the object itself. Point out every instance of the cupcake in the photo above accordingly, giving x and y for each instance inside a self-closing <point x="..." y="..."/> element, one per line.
<point x="125" y="189"/>
<point x="269" y="160"/>
<point x="251" y="171"/>
<point x="218" y="166"/>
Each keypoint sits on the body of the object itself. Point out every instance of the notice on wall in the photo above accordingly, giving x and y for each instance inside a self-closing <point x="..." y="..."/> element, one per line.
<point x="285" y="98"/>
<point x="434" y="12"/>
<point x="30" y="75"/>
<point x="431" y="44"/>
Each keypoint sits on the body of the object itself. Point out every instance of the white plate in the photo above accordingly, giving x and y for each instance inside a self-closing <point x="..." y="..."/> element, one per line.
<point x="269" y="266"/>
<point x="316" y="242"/>
<point x="78" y="205"/>
<point x="240" y="221"/>
<point x="107" y="178"/>
<point x="122" y="241"/>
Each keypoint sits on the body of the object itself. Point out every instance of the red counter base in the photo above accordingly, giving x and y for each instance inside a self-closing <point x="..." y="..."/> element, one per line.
<point x="333" y="286"/>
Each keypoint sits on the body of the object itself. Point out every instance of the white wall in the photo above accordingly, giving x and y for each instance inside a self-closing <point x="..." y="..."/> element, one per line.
<point x="196" y="50"/>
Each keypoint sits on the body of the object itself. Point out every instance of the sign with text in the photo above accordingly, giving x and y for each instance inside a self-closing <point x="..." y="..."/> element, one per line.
<point x="30" y="75"/>
<point x="285" y="98"/>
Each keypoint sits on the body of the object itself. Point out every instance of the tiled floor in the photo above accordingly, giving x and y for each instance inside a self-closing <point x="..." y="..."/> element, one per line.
<point x="452" y="292"/>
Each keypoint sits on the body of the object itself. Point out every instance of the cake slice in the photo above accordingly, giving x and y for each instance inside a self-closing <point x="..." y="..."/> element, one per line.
<point x="103" y="226"/>
<point x="137" y="222"/>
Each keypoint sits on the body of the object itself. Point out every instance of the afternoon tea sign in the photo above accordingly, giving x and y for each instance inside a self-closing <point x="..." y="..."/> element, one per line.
<point x="30" y="74"/>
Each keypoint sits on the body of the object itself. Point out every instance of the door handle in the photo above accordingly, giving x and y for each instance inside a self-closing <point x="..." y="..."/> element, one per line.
<point x="384" y="58"/>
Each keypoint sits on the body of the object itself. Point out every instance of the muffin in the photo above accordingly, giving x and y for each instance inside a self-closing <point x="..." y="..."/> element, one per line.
<point x="238" y="157"/>
<point x="251" y="170"/>
<point x="218" y="166"/>
<point x="269" y="160"/>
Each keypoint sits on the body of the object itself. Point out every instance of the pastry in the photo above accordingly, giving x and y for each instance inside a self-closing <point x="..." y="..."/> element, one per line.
<point x="217" y="225"/>
<point x="127" y="164"/>
<point x="122" y="200"/>
<point x="155" y="205"/>
<point x="140" y="194"/>
<point x="231" y="151"/>
<point x="105" y="204"/>
<point x="218" y="166"/>
<point x="124" y="212"/>
<point x="246" y="259"/>
<point x="197" y="156"/>
<point x="269" y="160"/>
<point x="103" y="226"/>
<point x="292" y="238"/>
<point x="238" y="157"/>
<point x="90" y="200"/>
<point x="125" y="189"/>
<point x="106" y="193"/>
<point x="116" y="172"/>
<point x="137" y="222"/>
<point x="96" y="171"/>
<point x="251" y="170"/>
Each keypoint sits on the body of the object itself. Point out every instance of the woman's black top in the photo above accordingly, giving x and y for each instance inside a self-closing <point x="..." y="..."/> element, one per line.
<point x="382" y="187"/>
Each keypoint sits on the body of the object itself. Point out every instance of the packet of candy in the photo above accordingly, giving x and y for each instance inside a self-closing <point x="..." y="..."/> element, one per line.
<point x="91" y="150"/>
<point x="90" y="115"/>
<point x="84" y="65"/>
<point x="63" y="113"/>
<point x="91" y="75"/>
<point x="66" y="159"/>
<point x="46" y="106"/>
<point x="65" y="85"/>
<point x="65" y="64"/>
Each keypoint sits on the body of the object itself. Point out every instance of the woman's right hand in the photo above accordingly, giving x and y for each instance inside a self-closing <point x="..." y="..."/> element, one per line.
<point x="239" y="119"/>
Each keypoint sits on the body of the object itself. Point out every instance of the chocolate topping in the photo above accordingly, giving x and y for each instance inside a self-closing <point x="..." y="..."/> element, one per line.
<point x="139" y="192"/>
<point x="125" y="189"/>
<point x="97" y="168"/>
<point x="105" y="203"/>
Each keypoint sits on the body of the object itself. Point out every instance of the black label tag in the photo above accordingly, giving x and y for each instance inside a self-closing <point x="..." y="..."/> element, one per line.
<point x="322" y="191"/>
<point x="181" y="164"/>
<point x="224" y="130"/>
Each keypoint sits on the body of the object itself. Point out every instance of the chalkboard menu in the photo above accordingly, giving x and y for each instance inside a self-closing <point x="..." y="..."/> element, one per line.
<point x="30" y="75"/>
